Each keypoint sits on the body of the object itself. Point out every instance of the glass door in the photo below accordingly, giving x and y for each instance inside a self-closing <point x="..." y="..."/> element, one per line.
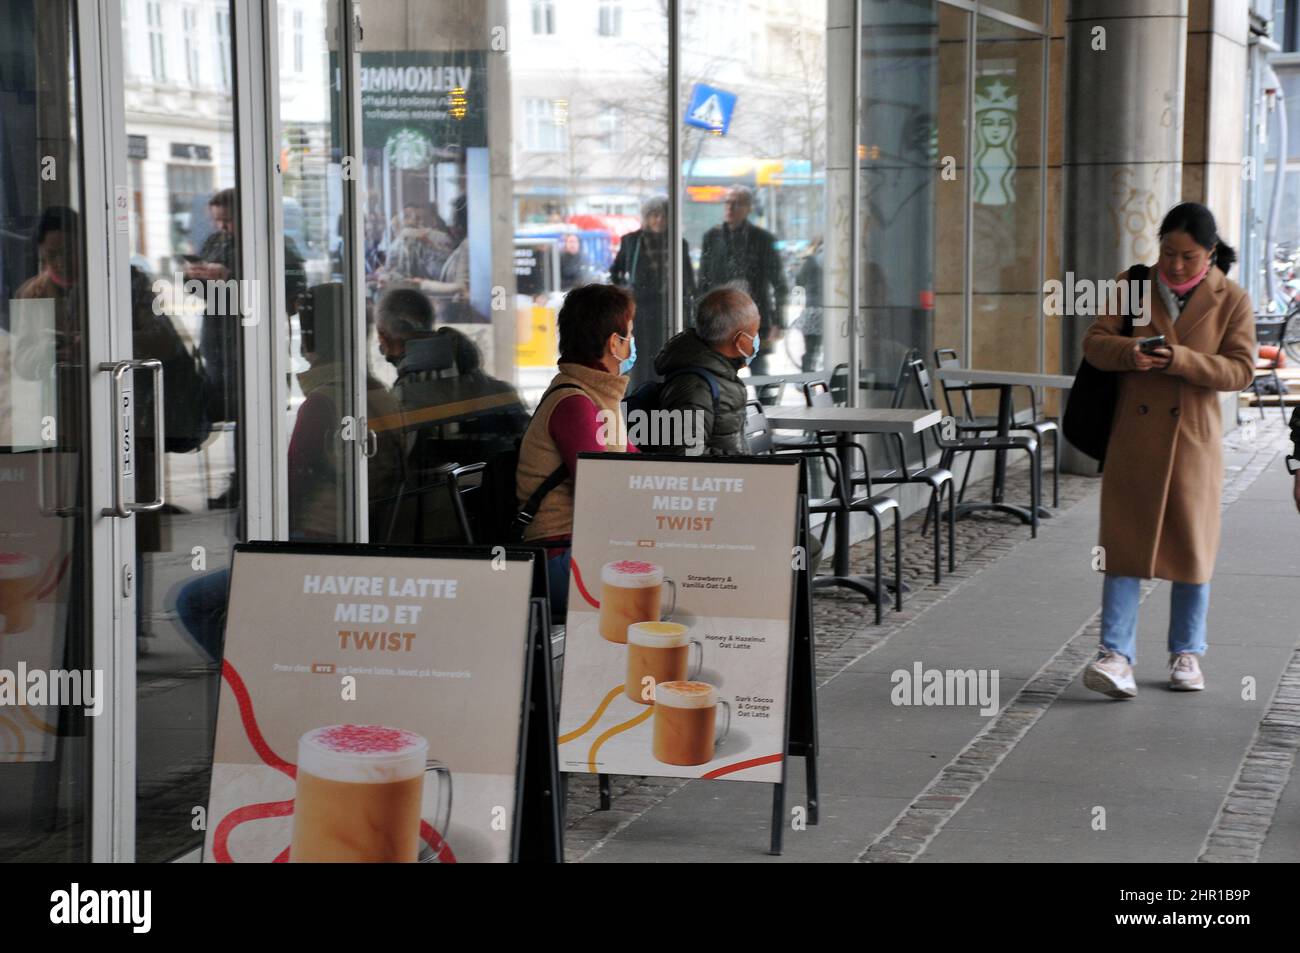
<point x="191" y="302"/>
<point x="55" y="613"/>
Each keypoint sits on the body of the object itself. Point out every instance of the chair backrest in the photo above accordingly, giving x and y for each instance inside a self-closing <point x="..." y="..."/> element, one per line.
<point x="840" y="384"/>
<point x="902" y="386"/>
<point x="903" y="379"/>
<point x="948" y="357"/>
<point x="758" y="435"/>
<point x="818" y="394"/>
<point x="428" y="508"/>
<point x="769" y="395"/>
<point x="464" y="482"/>
<point x="921" y="378"/>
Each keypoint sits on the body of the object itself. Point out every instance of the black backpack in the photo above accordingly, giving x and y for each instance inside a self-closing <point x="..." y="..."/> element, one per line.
<point x="1090" y="408"/>
<point x="649" y="396"/>
<point x="499" y="517"/>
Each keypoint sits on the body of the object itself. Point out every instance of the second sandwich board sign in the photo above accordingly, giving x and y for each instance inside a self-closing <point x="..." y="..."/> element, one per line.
<point x="374" y="706"/>
<point x="681" y="595"/>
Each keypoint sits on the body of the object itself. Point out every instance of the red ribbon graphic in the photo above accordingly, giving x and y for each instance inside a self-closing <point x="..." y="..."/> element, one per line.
<point x="45" y="590"/>
<point x="741" y="766"/>
<point x="255" y="812"/>
<point x="577" y="578"/>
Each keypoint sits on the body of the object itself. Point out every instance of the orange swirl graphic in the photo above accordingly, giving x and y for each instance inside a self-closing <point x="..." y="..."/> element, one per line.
<point x="16" y="731"/>
<point x="595" y="716"/>
<point x="617" y="729"/>
<point x="40" y="724"/>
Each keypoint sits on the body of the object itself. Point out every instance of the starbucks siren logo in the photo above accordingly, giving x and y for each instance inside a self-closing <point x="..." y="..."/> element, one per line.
<point x="410" y="149"/>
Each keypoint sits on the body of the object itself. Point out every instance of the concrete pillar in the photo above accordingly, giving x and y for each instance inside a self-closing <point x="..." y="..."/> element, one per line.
<point x="1125" y="62"/>
<point x="1214" y="133"/>
<point x="501" y="189"/>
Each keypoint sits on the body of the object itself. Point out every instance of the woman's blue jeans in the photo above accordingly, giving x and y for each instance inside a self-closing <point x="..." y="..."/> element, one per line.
<point x="557" y="572"/>
<point x="1188" y="604"/>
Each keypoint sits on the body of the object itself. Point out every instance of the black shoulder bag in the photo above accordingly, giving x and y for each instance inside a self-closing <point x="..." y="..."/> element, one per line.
<point x="1090" y="408"/>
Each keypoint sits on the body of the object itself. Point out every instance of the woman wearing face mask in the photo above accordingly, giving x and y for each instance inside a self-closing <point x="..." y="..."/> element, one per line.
<point x="577" y="414"/>
<point x="1163" y="474"/>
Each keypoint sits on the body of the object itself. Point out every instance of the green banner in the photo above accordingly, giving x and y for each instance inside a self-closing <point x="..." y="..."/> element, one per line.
<point x="418" y="102"/>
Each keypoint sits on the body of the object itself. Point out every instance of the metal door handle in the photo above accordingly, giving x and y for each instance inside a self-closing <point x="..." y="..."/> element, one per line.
<point x="121" y="506"/>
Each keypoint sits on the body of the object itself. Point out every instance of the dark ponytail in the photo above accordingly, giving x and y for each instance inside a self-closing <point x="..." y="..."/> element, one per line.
<point x="1224" y="256"/>
<point x="1196" y="220"/>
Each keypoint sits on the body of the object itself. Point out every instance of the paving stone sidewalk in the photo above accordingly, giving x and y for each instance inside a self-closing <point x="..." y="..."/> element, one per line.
<point x="845" y="633"/>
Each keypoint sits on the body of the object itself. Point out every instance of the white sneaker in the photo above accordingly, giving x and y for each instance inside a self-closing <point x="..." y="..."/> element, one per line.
<point x="1111" y="675"/>
<point x="1185" y="673"/>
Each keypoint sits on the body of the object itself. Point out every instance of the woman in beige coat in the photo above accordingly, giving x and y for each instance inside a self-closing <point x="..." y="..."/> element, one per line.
<point x="1163" y="476"/>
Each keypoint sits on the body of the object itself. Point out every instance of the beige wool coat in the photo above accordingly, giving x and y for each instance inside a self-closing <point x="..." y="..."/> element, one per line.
<point x="1163" y="476"/>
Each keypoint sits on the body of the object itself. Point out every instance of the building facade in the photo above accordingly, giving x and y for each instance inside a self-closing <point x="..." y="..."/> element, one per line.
<point x="924" y="168"/>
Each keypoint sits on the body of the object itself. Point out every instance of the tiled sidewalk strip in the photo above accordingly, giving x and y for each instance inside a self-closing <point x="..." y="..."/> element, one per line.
<point x="1238" y="833"/>
<point x="921" y="821"/>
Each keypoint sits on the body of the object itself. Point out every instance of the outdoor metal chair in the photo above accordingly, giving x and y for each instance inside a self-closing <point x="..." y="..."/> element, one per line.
<point x="921" y="378"/>
<point x="969" y="422"/>
<point x="842" y="504"/>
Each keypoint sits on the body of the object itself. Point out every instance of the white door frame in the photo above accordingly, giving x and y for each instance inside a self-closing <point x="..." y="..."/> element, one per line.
<point x="263" y="441"/>
<point x="108" y="338"/>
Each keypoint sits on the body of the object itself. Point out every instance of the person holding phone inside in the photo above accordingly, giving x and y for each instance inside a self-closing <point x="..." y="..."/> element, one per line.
<point x="1163" y="474"/>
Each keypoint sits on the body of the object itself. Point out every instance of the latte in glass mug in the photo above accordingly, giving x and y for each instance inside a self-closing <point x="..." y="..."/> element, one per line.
<point x="19" y="575"/>
<point x="631" y="591"/>
<point x="658" y="652"/>
<point x="359" y="794"/>
<point x="686" y="723"/>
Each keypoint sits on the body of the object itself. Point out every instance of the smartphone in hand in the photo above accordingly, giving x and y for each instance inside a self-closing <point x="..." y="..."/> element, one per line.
<point x="1151" y="344"/>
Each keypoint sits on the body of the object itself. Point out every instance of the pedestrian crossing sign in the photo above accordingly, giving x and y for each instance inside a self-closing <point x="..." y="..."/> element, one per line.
<point x="710" y="109"/>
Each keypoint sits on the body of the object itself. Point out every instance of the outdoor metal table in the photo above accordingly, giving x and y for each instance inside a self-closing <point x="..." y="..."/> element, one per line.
<point x="851" y="420"/>
<point x="1004" y="381"/>
<point x="794" y="377"/>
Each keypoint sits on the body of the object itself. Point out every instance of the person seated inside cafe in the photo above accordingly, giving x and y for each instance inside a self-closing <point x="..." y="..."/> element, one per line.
<point x="316" y="458"/>
<point x="453" y="411"/>
<point x="576" y="414"/>
<point x="723" y="340"/>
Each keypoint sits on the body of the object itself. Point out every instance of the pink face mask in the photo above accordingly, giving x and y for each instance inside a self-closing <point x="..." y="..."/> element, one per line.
<point x="1186" y="286"/>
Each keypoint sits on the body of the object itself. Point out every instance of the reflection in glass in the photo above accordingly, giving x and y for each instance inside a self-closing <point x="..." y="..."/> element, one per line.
<point x="1006" y="201"/>
<point x="754" y="165"/>
<point x="44" y="612"/>
<point x="491" y="186"/>
<point x="311" y="175"/>
<point x="187" y="308"/>
<point x="913" y="190"/>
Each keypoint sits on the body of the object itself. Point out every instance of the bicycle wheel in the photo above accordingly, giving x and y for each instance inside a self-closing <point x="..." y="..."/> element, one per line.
<point x="1291" y="337"/>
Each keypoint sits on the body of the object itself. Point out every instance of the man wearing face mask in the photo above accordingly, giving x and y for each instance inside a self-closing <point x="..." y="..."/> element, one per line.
<point x="724" y="339"/>
<point x="453" y="409"/>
